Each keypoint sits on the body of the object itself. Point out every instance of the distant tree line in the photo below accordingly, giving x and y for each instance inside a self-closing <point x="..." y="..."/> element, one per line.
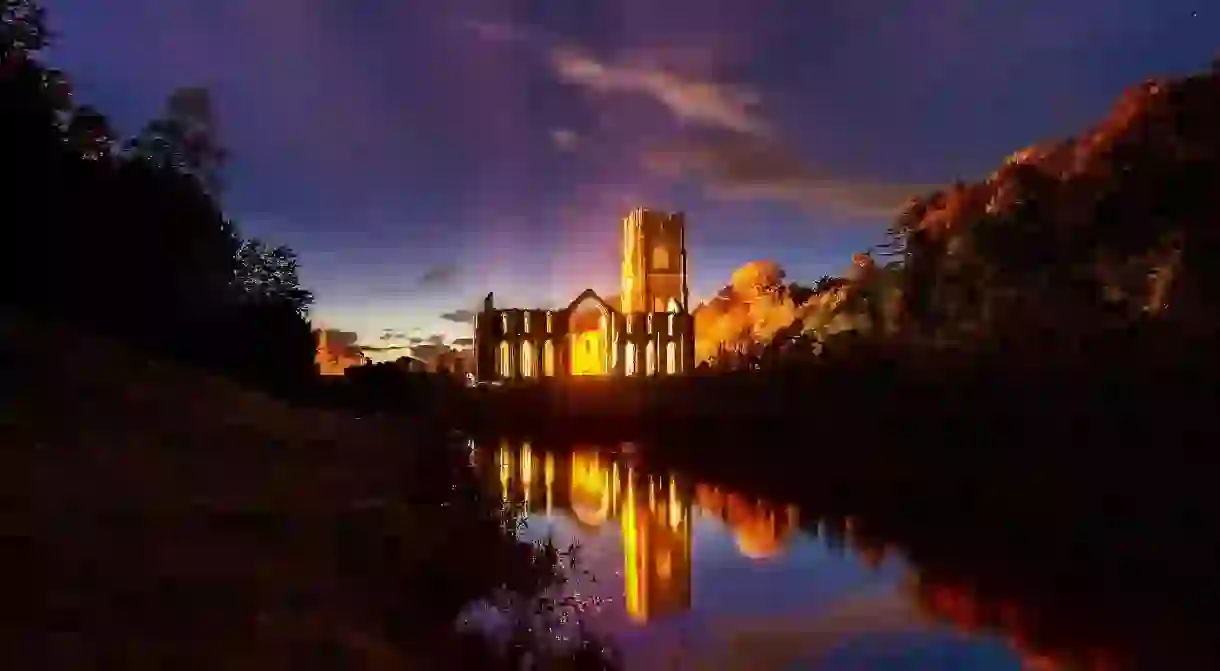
<point x="126" y="236"/>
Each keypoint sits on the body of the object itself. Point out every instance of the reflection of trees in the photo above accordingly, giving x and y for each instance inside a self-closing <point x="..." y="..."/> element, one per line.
<point x="1056" y="616"/>
<point x="760" y="530"/>
<point x="963" y="605"/>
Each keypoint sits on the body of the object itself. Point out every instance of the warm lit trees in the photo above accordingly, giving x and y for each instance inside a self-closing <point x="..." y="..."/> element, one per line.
<point x="1075" y="235"/>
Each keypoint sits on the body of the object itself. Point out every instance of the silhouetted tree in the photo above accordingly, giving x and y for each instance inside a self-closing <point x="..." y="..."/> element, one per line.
<point x="134" y="243"/>
<point x="185" y="138"/>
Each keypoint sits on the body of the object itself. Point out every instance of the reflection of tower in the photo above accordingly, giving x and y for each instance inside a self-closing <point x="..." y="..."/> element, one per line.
<point x="653" y="514"/>
<point x="654" y="262"/>
<point x="656" y="549"/>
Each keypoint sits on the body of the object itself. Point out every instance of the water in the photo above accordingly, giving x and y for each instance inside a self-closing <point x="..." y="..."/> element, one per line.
<point x="682" y="574"/>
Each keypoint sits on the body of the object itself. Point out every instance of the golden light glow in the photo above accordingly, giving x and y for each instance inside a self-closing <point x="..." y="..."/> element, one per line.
<point x="590" y="488"/>
<point x="548" y="355"/>
<point x="652" y="514"/>
<point x="756" y="528"/>
<point x="502" y="458"/>
<point x="548" y="469"/>
<point x="635" y="597"/>
<point x="527" y="472"/>
<point x="528" y="359"/>
<point x="589" y="353"/>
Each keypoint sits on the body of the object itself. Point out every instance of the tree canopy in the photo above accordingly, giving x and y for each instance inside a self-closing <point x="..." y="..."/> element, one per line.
<point x="127" y="236"/>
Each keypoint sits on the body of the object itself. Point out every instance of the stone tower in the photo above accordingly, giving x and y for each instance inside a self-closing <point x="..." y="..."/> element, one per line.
<point x="654" y="262"/>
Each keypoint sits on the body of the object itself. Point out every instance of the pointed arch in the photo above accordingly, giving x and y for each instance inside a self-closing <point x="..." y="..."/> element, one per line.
<point x="548" y="358"/>
<point x="528" y="368"/>
<point x="504" y="359"/>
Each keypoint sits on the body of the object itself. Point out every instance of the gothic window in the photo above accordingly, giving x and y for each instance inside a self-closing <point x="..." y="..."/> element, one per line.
<point x="660" y="258"/>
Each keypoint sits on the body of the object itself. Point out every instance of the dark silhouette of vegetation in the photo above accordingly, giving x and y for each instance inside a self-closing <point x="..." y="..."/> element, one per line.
<point x="181" y="519"/>
<point x="127" y="238"/>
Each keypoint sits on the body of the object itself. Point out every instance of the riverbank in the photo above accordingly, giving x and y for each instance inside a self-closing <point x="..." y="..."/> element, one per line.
<point x="163" y="517"/>
<point x="991" y="417"/>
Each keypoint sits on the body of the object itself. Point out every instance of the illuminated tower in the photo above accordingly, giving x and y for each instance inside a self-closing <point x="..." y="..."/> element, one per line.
<point x="654" y="262"/>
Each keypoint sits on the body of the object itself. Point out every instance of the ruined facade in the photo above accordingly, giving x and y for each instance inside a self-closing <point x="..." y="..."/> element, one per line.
<point x="336" y="351"/>
<point x="651" y="332"/>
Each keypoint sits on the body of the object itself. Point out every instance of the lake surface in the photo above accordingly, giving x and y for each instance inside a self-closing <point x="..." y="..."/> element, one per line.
<point x="683" y="574"/>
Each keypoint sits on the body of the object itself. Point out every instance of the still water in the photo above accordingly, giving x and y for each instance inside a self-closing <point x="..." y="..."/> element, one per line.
<point x="682" y="574"/>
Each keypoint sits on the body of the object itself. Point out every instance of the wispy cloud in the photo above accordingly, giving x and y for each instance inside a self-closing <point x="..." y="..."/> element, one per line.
<point x="439" y="275"/>
<point x="736" y="166"/>
<point x="459" y="316"/>
<point x="693" y="101"/>
<point x="497" y="31"/>
<point x="383" y="348"/>
<point x="728" y="145"/>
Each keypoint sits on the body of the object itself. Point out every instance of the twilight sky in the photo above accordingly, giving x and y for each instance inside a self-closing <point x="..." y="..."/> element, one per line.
<point x="418" y="154"/>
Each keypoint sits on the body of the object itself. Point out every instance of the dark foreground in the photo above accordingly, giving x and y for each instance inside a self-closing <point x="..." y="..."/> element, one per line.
<point x="236" y="532"/>
<point x="153" y="516"/>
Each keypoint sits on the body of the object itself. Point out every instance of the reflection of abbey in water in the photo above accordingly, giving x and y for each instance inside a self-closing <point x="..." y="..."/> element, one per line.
<point x="654" y="515"/>
<point x="649" y="332"/>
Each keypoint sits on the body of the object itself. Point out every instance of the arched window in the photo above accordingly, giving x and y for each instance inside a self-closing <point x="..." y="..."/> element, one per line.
<point x="527" y="359"/>
<point x="548" y="359"/>
<point x="629" y="353"/>
<point x="671" y="358"/>
<point x="504" y="360"/>
<point x="650" y="358"/>
<point x="660" y="258"/>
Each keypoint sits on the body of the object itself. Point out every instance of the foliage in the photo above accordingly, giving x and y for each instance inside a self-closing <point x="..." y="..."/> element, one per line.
<point x="133" y="242"/>
<point x="1110" y="230"/>
<point x="1093" y="231"/>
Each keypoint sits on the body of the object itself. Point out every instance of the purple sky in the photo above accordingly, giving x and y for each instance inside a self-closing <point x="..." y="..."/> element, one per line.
<point x="420" y="154"/>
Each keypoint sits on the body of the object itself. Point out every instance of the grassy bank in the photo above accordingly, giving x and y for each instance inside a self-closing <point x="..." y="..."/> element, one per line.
<point x="164" y="518"/>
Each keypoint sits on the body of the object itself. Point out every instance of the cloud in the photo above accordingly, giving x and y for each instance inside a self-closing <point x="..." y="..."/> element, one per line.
<point x="729" y="146"/>
<point x="565" y="139"/>
<point x="497" y="31"/>
<point x="459" y="316"/>
<point x="438" y="275"/>
<point x="382" y="348"/>
<point x="693" y="101"/>
<point x="736" y="166"/>
<point x="462" y="342"/>
<point x="429" y="352"/>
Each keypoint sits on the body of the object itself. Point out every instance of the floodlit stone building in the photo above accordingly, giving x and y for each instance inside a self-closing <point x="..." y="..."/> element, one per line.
<point x="650" y="332"/>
